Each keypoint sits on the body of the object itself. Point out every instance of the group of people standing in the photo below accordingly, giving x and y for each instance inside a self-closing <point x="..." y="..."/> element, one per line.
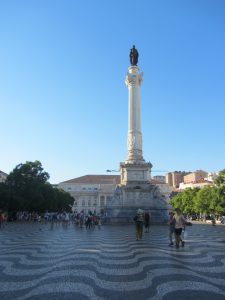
<point x="176" y="225"/>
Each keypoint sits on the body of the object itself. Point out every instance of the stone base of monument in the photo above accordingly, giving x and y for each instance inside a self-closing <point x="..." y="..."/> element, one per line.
<point x="135" y="173"/>
<point x="128" y="199"/>
<point x="125" y="215"/>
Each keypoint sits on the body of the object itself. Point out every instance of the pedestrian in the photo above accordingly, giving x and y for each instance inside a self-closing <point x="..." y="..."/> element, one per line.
<point x="139" y="222"/>
<point x="1" y="220"/>
<point x="99" y="221"/>
<point x="179" y="226"/>
<point x="213" y="219"/>
<point x="88" y="222"/>
<point x="171" y="223"/>
<point x="147" y="221"/>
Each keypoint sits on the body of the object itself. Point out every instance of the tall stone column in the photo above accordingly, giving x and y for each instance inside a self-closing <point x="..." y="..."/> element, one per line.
<point x="135" y="189"/>
<point x="134" y="171"/>
<point x="134" y="140"/>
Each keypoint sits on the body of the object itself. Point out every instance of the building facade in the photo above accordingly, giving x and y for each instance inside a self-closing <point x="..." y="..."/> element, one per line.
<point x="195" y="176"/>
<point x="159" y="178"/>
<point x="199" y="183"/>
<point x="91" y="192"/>
<point x="175" y="178"/>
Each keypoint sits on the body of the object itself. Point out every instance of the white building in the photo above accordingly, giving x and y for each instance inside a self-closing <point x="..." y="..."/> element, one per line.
<point x="3" y="176"/>
<point x="212" y="176"/>
<point x="91" y="192"/>
<point x="199" y="183"/>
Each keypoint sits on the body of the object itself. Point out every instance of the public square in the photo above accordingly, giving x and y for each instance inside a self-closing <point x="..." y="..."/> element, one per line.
<point x="41" y="261"/>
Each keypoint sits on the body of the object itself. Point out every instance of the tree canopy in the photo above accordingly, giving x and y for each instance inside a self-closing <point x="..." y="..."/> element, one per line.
<point x="220" y="180"/>
<point x="207" y="200"/>
<point x="27" y="189"/>
<point x="185" y="200"/>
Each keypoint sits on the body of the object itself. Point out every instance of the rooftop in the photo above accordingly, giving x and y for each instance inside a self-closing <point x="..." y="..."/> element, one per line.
<point x="1" y="172"/>
<point x="95" y="179"/>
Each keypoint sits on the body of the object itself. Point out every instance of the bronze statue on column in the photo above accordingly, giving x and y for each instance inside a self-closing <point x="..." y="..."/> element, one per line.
<point x="133" y="56"/>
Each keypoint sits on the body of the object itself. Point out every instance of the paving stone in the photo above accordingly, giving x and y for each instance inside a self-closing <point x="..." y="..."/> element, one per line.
<point x="41" y="261"/>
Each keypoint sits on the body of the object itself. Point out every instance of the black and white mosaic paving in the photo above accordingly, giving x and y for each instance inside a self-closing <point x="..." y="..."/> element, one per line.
<point x="40" y="261"/>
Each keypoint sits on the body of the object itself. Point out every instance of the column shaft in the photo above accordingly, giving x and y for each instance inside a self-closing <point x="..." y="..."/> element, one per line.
<point x="134" y="140"/>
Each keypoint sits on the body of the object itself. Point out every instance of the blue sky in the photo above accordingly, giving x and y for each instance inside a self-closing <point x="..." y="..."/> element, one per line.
<point x="63" y="100"/>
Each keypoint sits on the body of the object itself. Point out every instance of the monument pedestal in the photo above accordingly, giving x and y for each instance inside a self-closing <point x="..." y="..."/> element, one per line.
<point x="136" y="173"/>
<point x="128" y="199"/>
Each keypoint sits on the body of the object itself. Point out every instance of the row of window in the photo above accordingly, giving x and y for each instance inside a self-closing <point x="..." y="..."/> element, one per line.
<point x="84" y="189"/>
<point x="88" y="203"/>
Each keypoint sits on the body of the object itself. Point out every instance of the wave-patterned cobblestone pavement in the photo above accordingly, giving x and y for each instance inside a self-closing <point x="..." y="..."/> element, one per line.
<point x="40" y="261"/>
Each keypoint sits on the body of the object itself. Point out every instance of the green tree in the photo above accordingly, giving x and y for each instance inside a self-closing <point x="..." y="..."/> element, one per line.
<point x="220" y="180"/>
<point x="176" y="201"/>
<point x="220" y="200"/>
<point x="63" y="200"/>
<point x="4" y="196"/>
<point x="25" y="183"/>
<point x="188" y="200"/>
<point x="185" y="200"/>
<point x="27" y="188"/>
<point x="206" y="200"/>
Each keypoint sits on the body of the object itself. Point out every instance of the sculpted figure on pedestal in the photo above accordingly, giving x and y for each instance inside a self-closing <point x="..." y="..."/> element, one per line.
<point x="133" y="56"/>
